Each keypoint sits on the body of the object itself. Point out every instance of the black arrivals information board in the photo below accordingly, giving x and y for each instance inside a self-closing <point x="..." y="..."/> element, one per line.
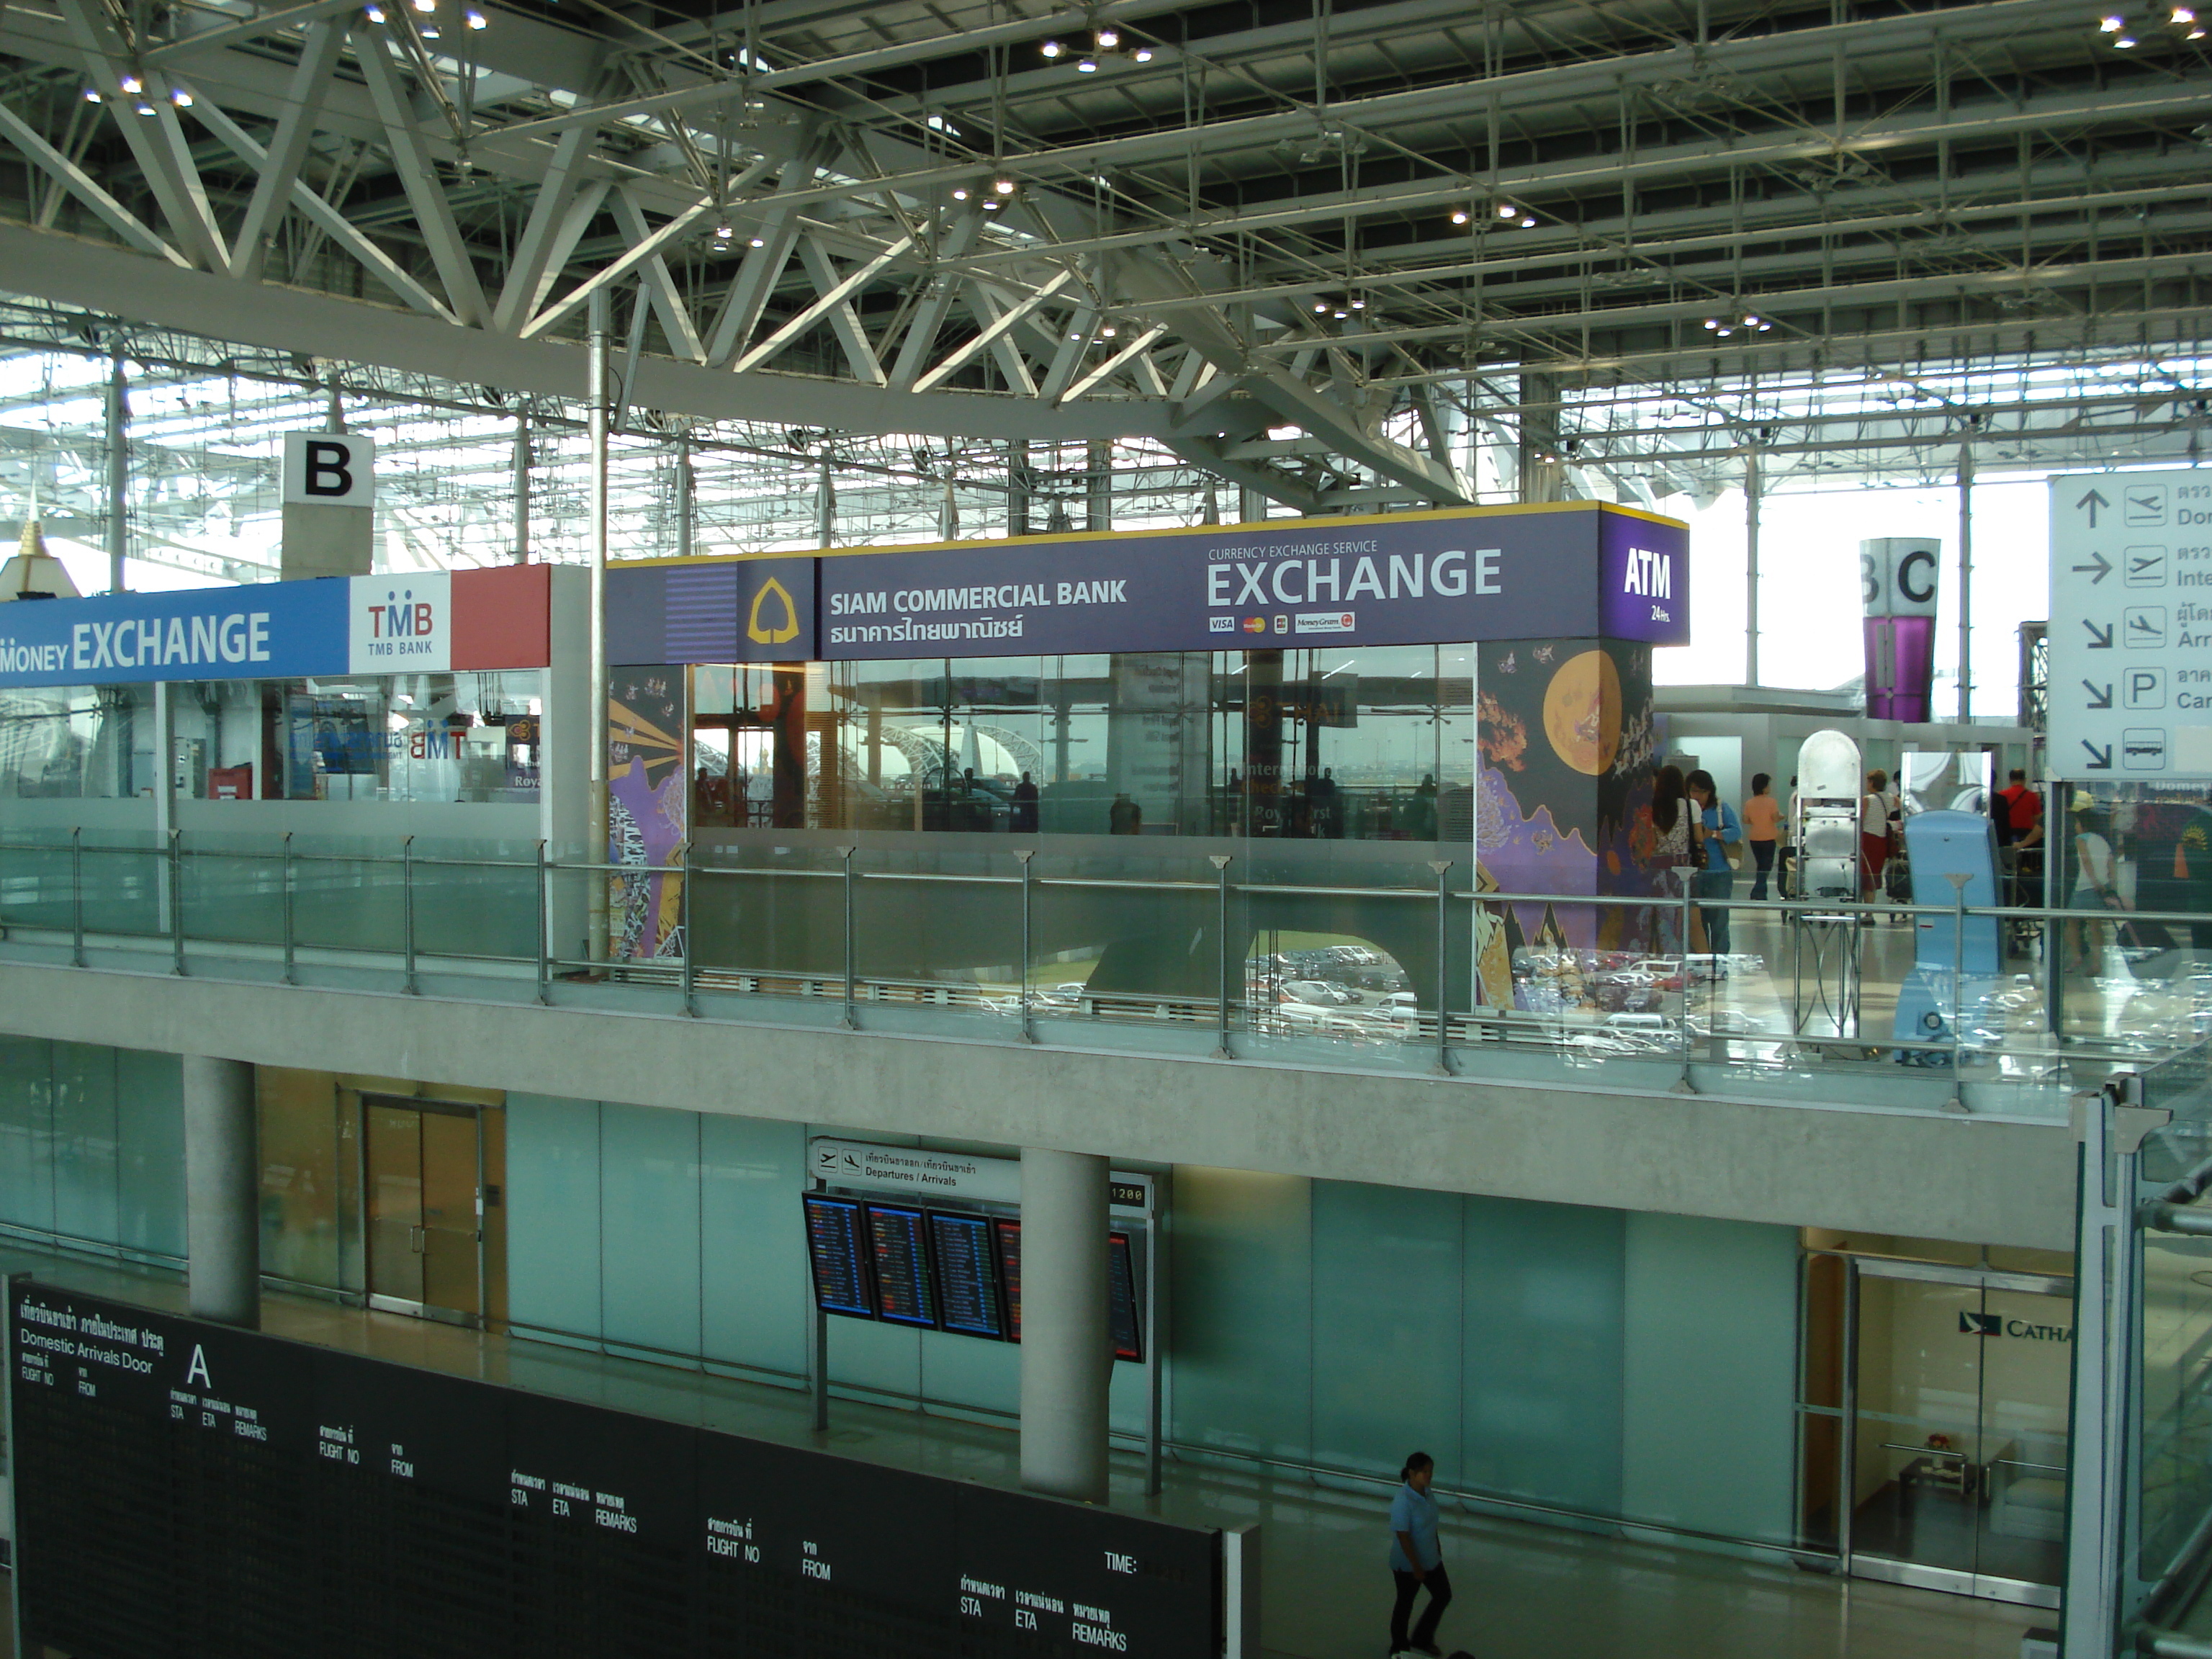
<point x="183" y="1489"/>
<point x="900" y="1254"/>
<point x="837" y="1251"/>
<point x="1122" y="1315"/>
<point x="967" y="1274"/>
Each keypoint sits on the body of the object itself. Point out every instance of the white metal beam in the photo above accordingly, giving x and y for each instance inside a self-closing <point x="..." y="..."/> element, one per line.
<point x="81" y="184"/>
<point x="850" y="283"/>
<point x="961" y="356"/>
<point x="418" y="177"/>
<point x="288" y="149"/>
<point x="844" y="319"/>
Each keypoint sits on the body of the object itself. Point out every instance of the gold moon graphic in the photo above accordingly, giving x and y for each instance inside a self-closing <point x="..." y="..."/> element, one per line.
<point x="1581" y="712"/>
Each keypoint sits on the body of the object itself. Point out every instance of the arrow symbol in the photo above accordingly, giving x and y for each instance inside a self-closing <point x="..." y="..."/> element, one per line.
<point x="2098" y="641"/>
<point x="2100" y="760"/>
<point x="2103" y="567"/>
<point x="2099" y="698"/>
<point x="2092" y="501"/>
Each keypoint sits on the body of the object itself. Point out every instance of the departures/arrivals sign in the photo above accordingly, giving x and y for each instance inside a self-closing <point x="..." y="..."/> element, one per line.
<point x="185" y="1488"/>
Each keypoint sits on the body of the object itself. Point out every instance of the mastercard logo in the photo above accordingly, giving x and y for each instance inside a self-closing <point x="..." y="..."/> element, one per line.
<point x="1255" y="624"/>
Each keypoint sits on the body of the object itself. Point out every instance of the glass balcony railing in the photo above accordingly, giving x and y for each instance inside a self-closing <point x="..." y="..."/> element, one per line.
<point x="1294" y="954"/>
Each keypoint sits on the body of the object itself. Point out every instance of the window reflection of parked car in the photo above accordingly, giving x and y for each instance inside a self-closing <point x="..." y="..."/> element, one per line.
<point x="1314" y="993"/>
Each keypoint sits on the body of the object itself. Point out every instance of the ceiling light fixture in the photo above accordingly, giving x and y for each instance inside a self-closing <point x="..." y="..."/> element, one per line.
<point x="1109" y="39"/>
<point x="959" y="193"/>
<point x="1004" y="186"/>
<point x="1142" y="55"/>
<point x="759" y="241"/>
<point x="376" y="14"/>
<point x="476" y="20"/>
<point x="91" y="94"/>
<point x="2113" y="23"/>
<point x="180" y="97"/>
<point x="2182" y="14"/>
<point x="1507" y="211"/>
<point x="1459" y="216"/>
<point x="1087" y="66"/>
<point x="131" y="83"/>
<point x="1527" y="221"/>
<point x="1052" y="49"/>
<point x="2124" y="41"/>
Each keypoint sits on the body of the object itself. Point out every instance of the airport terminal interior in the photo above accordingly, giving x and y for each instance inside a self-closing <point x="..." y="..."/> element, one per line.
<point x="1319" y="830"/>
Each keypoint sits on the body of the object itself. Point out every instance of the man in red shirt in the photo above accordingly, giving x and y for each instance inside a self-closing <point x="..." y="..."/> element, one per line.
<point x="2019" y="813"/>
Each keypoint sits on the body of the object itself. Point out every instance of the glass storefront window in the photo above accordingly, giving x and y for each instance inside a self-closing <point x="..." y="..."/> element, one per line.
<point x="79" y="741"/>
<point x="452" y="737"/>
<point x="1373" y="743"/>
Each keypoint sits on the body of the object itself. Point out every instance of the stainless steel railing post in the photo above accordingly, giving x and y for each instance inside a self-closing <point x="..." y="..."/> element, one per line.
<point x="852" y="980"/>
<point x="544" y="926"/>
<point x="1028" y="1035"/>
<point x="77" y="896"/>
<point x="291" y="976"/>
<point x="1958" y="878"/>
<point x="683" y="873"/>
<point x="176" y="901"/>
<point x="1443" y="868"/>
<point x="407" y="911"/>
<point x="1220" y="862"/>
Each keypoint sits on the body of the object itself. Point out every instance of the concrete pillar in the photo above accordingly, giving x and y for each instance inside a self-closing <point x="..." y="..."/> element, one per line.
<point x="1067" y="1345"/>
<point x="222" y="1192"/>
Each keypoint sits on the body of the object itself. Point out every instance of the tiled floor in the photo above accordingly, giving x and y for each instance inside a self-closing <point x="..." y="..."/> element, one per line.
<point x="1522" y="1591"/>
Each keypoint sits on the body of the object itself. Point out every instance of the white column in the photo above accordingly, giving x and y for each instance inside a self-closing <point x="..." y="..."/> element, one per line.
<point x="222" y="1220"/>
<point x="1066" y="1348"/>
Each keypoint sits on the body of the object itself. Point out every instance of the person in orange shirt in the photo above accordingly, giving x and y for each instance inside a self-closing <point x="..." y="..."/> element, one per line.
<point x="1762" y="827"/>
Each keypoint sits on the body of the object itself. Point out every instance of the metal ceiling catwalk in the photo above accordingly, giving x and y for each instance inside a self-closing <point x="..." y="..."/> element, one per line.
<point x="1305" y="246"/>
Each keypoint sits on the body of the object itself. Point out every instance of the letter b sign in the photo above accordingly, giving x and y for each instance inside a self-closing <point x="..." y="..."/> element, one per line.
<point x="329" y="469"/>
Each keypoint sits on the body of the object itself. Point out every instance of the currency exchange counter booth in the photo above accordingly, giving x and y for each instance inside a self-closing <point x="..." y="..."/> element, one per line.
<point x="358" y="715"/>
<point x="1336" y="704"/>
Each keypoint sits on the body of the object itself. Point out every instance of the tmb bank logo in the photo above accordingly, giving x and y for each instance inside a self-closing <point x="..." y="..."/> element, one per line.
<point x="1990" y="1324"/>
<point x="402" y="627"/>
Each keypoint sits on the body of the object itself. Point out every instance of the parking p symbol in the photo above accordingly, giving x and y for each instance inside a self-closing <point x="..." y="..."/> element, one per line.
<point x="2143" y="688"/>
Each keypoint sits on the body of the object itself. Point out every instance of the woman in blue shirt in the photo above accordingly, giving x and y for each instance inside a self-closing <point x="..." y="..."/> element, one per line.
<point x="1718" y="826"/>
<point x="1415" y="1559"/>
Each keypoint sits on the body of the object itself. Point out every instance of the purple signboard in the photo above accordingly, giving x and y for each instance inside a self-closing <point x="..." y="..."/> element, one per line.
<point x="711" y="611"/>
<point x="1416" y="578"/>
<point x="1576" y="570"/>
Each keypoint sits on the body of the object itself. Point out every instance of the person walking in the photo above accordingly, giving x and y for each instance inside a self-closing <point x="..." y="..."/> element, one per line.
<point x="1416" y="1560"/>
<point x="1874" y="843"/>
<point x="1718" y="828"/>
<point x="1762" y="827"/>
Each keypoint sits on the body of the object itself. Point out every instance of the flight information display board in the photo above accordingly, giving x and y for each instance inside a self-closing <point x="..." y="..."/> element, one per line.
<point x="1009" y="1232"/>
<point x="900" y="1254"/>
<point x="1122" y="1315"/>
<point x="183" y="1488"/>
<point x="837" y="1252"/>
<point x="967" y="1274"/>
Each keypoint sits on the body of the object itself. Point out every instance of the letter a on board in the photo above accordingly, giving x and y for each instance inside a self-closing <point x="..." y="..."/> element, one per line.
<point x="762" y="634"/>
<point x="197" y="1371"/>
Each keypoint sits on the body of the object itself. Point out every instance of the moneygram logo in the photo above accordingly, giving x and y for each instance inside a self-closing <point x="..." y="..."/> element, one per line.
<point x="1324" y="622"/>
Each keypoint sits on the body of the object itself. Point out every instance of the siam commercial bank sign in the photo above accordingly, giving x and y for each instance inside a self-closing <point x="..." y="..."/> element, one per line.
<point x="1415" y="579"/>
<point x="1579" y="570"/>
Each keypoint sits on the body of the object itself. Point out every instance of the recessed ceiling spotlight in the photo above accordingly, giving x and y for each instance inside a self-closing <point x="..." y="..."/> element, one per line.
<point x="1109" y="331"/>
<point x="475" y="20"/>
<point x="1712" y="322"/>
<point x="759" y="241"/>
<point x="1359" y="305"/>
<point x="1086" y="65"/>
<point x="1527" y="221"/>
<point x="1109" y="39"/>
<point x="1341" y="315"/>
<point x="959" y="193"/>
<point x="1142" y="54"/>
<point x="131" y="83"/>
<point x="1507" y="211"/>
<point x="180" y="97"/>
<point x="2113" y="24"/>
<point x="1320" y="306"/>
<point x="91" y="94"/>
<point x="990" y="204"/>
<point x="2182" y="14"/>
<point x="1459" y="216"/>
<point x="1004" y="186"/>
<point x="1052" y="49"/>
<point x="723" y="232"/>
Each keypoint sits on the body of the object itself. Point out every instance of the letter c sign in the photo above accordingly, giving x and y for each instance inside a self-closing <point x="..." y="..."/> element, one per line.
<point x="329" y="469"/>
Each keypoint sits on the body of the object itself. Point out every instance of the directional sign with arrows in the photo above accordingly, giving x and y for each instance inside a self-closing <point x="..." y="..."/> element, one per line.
<point x="2131" y="625"/>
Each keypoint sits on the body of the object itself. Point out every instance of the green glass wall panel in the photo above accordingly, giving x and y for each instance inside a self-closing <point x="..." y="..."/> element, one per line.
<point x="1386" y="1326"/>
<point x="752" y="1285"/>
<point x="27" y="1163"/>
<point x="553" y="1214"/>
<point x="885" y="1358"/>
<point x="1710" y="1356"/>
<point x="965" y="1371"/>
<point x="149" y="1184"/>
<point x="85" y="1142"/>
<point x="1242" y="1312"/>
<point x="649" y="1227"/>
<point x="1542" y="1400"/>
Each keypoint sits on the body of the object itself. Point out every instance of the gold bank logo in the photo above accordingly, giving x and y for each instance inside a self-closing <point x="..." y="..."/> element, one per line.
<point x="761" y="627"/>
